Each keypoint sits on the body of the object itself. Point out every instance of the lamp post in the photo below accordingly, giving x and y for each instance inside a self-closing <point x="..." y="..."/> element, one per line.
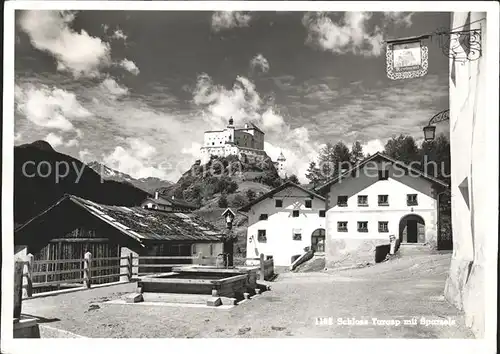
<point x="430" y="129"/>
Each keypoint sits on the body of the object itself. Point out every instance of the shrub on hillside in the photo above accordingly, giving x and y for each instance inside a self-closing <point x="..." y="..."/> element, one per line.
<point x="251" y="195"/>
<point x="270" y="179"/>
<point x="238" y="200"/>
<point x="223" y="202"/>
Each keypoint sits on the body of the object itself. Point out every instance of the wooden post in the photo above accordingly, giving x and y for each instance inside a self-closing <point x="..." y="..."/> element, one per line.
<point x="199" y="258"/>
<point x="87" y="269"/>
<point x="18" y="288"/>
<point x="27" y="276"/>
<point x="47" y="264"/>
<point x="262" y="270"/>
<point x="59" y="266"/>
<point x="130" y="263"/>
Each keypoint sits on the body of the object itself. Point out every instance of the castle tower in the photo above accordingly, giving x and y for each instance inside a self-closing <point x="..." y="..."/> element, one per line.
<point x="281" y="165"/>
<point x="230" y="130"/>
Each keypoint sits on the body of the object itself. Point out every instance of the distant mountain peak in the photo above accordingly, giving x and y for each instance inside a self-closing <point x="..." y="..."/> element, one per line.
<point x="149" y="184"/>
<point x="42" y="145"/>
<point x="106" y="171"/>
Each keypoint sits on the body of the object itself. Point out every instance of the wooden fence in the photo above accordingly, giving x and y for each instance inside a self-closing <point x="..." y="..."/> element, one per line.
<point x="88" y="271"/>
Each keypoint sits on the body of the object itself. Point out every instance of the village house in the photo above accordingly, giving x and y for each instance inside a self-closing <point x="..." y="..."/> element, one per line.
<point x="73" y="226"/>
<point x="377" y="198"/>
<point x="474" y="175"/>
<point x="160" y="203"/>
<point x="284" y="222"/>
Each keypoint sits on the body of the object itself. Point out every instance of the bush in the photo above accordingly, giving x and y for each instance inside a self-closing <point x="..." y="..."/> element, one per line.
<point x="231" y="187"/>
<point x="251" y="195"/>
<point x="238" y="201"/>
<point x="223" y="202"/>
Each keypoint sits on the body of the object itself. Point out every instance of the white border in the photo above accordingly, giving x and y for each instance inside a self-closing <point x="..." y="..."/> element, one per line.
<point x="276" y="345"/>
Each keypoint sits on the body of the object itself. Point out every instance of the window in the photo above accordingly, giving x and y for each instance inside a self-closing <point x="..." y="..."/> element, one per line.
<point x="411" y="199"/>
<point x="211" y="249"/>
<point x="383" y="174"/>
<point x="342" y="226"/>
<point x="193" y="248"/>
<point x="278" y="203"/>
<point x="342" y="200"/>
<point x="309" y="204"/>
<point x="322" y="213"/>
<point x="362" y="226"/>
<point x="362" y="200"/>
<point x="263" y="217"/>
<point x="383" y="226"/>
<point x="261" y="236"/>
<point x="297" y="234"/>
<point x="383" y="200"/>
<point x="295" y="213"/>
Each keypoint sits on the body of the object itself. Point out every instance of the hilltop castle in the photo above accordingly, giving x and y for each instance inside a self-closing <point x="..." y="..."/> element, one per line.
<point x="246" y="142"/>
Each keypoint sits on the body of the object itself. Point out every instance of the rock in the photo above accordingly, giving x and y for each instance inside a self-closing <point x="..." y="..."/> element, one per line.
<point x="133" y="298"/>
<point x="214" y="302"/>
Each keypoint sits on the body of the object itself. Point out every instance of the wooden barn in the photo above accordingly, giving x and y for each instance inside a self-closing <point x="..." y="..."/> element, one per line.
<point x="73" y="226"/>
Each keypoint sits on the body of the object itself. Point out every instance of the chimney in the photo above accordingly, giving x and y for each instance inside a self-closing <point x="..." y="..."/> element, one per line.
<point x="156" y="195"/>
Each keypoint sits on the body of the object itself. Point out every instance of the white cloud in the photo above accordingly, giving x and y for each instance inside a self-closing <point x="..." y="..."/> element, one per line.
<point x="85" y="156"/>
<point x="118" y="34"/>
<point x="49" y="107"/>
<point x="193" y="150"/>
<point x="78" y="53"/>
<point x="110" y="85"/>
<point x="72" y="142"/>
<point x="130" y="66"/>
<point x="349" y="36"/>
<point x="54" y="140"/>
<point x="272" y="120"/>
<point x="260" y="62"/>
<point x="229" y="19"/>
<point x="373" y="146"/>
<point x="240" y="103"/>
<point x="134" y="160"/>
<point x="18" y="136"/>
<point x="399" y="18"/>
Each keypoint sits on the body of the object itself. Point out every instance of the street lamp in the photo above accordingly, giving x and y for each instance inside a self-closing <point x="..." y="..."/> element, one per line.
<point x="429" y="132"/>
<point x="430" y="129"/>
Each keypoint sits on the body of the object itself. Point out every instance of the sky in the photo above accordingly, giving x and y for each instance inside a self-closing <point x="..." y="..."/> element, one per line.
<point x="136" y="90"/>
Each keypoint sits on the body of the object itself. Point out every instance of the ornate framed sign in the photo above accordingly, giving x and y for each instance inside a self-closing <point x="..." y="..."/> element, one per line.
<point x="406" y="60"/>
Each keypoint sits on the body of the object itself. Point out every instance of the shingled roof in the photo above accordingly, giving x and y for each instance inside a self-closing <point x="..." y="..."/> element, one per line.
<point x="139" y="223"/>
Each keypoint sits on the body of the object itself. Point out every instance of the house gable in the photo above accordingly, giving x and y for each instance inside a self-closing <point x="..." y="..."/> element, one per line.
<point x="370" y="167"/>
<point x="367" y="184"/>
<point x="287" y="189"/>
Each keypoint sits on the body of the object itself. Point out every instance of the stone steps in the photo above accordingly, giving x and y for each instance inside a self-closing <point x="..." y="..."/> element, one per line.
<point x="184" y="298"/>
<point x="414" y="249"/>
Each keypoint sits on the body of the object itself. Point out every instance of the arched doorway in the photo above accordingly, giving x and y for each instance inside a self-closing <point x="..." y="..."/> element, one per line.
<point x="412" y="229"/>
<point x="318" y="240"/>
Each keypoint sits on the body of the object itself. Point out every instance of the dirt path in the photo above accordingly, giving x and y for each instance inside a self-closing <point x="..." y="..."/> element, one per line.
<point x="298" y="305"/>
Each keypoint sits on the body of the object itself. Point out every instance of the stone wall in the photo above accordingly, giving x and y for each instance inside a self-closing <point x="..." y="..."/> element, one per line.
<point x="353" y="252"/>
